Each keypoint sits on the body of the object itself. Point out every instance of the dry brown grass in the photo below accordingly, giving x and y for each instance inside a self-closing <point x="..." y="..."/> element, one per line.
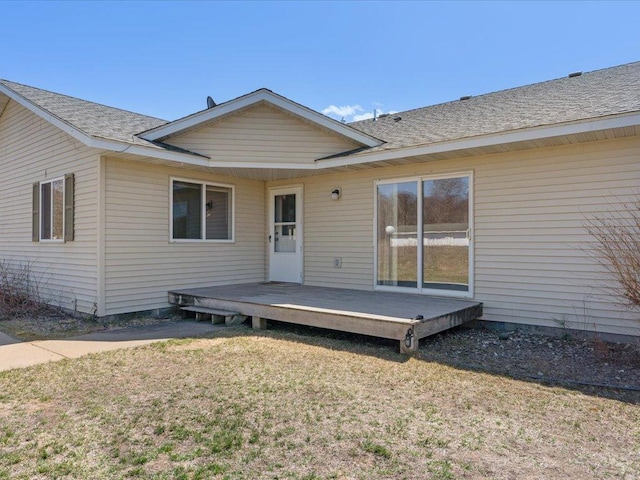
<point x="277" y="405"/>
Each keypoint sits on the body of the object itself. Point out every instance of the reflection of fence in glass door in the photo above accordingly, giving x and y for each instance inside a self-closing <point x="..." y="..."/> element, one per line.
<point x="285" y="223"/>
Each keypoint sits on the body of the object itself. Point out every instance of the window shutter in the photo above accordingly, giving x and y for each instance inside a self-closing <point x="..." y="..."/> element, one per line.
<point x="35" y="222"/>
<point x="69" y="198"/>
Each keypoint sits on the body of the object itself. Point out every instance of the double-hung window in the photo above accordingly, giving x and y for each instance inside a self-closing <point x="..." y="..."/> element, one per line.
<point x="201" y="211"/>
<point x="53" y="210"/>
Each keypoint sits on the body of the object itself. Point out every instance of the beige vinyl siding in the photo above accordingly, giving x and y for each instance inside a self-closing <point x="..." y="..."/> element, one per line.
<point x="262" y="134"/>
<point x="530" y="208"/>
<point x="32" y="150"/>
<point x="142" y="264"/>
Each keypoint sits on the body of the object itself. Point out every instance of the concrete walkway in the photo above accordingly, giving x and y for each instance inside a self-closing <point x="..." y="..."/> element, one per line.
<point x="16" y="354"/>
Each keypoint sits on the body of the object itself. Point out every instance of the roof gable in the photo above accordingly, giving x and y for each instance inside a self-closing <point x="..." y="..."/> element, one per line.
<point x="263" y="136"/>
<point x="595" y="105"/>
<point x="259" y="96"/>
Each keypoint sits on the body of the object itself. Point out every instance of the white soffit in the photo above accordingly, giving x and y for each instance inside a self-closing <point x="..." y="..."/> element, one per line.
<point x="245" y="101"/>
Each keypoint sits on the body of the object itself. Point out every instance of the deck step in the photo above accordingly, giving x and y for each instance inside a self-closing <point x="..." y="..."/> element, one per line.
<point x="216" y="316"/>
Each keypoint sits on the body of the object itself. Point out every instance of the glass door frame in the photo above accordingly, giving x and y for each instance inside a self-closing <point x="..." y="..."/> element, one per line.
<point x="419" y="179"/>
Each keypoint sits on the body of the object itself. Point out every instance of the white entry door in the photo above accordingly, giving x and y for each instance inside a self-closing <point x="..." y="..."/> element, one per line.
<point x="285" y="235"/>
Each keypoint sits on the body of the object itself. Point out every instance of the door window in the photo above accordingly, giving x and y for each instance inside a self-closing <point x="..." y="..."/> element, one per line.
<point x="285" y="223"/>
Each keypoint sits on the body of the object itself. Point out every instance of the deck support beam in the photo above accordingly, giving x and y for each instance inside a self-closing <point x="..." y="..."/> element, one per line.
<point x="258" y="323"/>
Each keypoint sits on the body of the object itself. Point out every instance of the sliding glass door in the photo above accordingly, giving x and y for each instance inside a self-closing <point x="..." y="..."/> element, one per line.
<point x="436" y="210"/>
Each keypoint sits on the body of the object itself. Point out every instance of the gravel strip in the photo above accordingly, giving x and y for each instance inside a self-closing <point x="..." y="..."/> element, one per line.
<point x="56" y="325"/>
<point x="526" y="355"/>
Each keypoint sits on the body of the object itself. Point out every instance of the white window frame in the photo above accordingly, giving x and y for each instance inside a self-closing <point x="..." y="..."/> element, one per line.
<point x="420" y="289"/>
<point x="50" y="212"/>
<point x="203" y="211"/>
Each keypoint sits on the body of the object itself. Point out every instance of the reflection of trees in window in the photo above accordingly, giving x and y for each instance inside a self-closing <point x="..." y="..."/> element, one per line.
<point x="218" y="213"/>
<point x="398" y="207"/>
<point x="446" y="201"/>
<point x="58" y="209"/>
<point x="52" y="210"/>
<point x="190" y="200"/>
<point x="186" y="210"/>
<point x="445" y="222"/>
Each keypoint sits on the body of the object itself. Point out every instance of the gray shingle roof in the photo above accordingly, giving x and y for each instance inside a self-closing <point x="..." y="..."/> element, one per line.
<point x="595" y="94"/>
<point x="592" y="95"/>
<point x="93" y="119"/>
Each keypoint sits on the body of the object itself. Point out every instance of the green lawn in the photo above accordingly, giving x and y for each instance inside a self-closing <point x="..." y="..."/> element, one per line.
<point x="278" y="405"/>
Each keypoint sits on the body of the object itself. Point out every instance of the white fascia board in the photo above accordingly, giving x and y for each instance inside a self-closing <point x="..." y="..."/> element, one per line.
<point x="535" y="133"/>
<point x="251" y="99"/>
<point x="122" y="147"/>
<point x="100" y="143"/>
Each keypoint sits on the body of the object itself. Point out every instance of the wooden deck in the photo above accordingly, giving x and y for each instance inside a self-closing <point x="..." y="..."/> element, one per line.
<point x="400" y="316"/>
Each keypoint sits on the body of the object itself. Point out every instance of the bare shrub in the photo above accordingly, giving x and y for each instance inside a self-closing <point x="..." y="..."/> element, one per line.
<point x="19" y="290"/>
<point x="617" y="249"/>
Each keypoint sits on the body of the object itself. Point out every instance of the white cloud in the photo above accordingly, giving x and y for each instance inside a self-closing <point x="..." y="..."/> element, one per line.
<point x="350" y="112"/>
<point x="364" y="116"/>
<point x="368" y="115"/>
<point x="344" y="111"/>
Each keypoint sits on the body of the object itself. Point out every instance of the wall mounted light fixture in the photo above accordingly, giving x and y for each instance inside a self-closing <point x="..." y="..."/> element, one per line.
<point x="336" y="193"/>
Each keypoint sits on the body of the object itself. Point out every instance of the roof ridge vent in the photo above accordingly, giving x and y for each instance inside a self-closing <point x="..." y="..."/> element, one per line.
<point x="465" y="97"/>
<point x="574" y="74"/>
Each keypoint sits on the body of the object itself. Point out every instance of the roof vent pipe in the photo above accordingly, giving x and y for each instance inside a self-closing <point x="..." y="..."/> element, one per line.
<point x="575" y="74"/>
<point x="210" y="102"/>
<point x="375" y="114"/>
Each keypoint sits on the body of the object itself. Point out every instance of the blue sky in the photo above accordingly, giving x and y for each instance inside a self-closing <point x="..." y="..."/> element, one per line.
<point x="164" y="58"/>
